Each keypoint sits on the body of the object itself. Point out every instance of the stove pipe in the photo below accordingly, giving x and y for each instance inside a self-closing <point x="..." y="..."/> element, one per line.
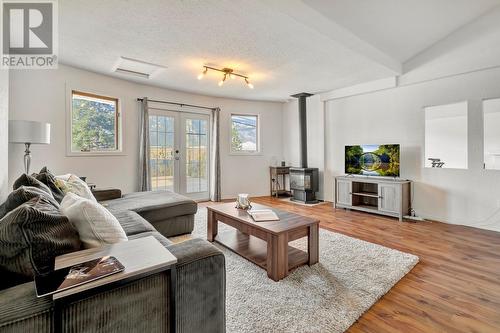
<point x="303" y="127"/>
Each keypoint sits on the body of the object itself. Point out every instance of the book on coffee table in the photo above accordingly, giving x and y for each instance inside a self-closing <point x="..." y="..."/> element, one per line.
<point x="262" y="215"/>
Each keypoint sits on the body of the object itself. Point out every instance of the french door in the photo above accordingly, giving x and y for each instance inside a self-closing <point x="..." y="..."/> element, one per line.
<point x="179" y="152"/>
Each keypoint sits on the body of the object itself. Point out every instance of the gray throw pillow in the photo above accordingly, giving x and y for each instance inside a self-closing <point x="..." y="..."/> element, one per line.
<point x="46" y="177"/>
<point x="9" y="279"/>
<point x="22" y="195"/>
<point x="27" y="180"/>
<point x="32" y="235"/>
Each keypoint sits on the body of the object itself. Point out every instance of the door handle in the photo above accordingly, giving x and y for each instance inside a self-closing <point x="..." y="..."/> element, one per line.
<point x="177" y="155"/>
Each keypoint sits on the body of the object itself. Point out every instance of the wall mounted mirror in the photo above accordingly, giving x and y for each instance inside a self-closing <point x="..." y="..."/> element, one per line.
<point x="491" y="121"/>
<point x="446" y="136"/>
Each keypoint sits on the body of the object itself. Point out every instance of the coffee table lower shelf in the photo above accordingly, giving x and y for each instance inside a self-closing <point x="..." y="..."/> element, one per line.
<point x="255" y="249"/>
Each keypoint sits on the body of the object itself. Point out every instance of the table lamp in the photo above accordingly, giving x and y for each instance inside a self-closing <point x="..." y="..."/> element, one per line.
<point x="28" y="132"/>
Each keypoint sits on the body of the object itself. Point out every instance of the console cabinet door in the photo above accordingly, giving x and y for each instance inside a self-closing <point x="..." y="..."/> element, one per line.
<point x="389" y="198"/>
<point x="344" y="192"/>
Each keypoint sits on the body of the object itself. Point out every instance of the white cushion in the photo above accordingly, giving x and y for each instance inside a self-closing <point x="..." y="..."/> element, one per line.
<point x="64" y="177"/>
<point x="72" y="183"/>
<point x="95" y="224"/>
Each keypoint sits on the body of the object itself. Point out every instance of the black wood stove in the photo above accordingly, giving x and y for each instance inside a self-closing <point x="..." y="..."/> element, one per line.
<point x="304" y="181"/>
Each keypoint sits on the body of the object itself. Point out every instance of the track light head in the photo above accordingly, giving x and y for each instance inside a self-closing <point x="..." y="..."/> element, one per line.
<point x="221" y="82"/>
<point x="202" y="74"/>
<point x="248" y="83"/>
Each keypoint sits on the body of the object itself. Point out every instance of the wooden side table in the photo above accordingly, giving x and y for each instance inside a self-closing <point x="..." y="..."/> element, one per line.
<point x="103" y="194"/>
<point x="141" y="257"/>
<point x="278" y="177"/>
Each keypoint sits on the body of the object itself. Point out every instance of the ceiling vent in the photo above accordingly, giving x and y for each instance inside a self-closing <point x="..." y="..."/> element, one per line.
<point x="138" y="68"/>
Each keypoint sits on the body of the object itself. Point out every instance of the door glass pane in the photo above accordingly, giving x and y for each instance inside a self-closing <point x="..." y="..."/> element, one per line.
<point x="169" y="174"/>
<point x="154" y="173"/>
<point x="196" y="155"/>
<point x="153" y="139"/>
<point x="152" y="123"/>
<point x="161" y="144"/>
<point x="162" y="139"/>
<point x="162" y="124"/>
<point x="204" y="127"/>
<point x="204" y="166"/>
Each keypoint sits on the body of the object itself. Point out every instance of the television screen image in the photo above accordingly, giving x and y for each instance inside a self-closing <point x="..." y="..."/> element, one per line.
<point x="372" y="160"/>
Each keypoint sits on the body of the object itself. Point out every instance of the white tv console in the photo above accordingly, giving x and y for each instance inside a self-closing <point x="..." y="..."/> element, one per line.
<point x="385" y="196"/>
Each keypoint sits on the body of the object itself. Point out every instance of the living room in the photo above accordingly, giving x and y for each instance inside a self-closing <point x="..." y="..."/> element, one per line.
<point x="270" y="166"/>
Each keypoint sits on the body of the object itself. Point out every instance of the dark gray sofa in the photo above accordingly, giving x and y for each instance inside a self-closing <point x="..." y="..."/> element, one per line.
<point x="171" y="214"/>
<point x="139" y="306"/>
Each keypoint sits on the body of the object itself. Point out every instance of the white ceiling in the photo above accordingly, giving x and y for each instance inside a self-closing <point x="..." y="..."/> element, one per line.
<point x="402" y="28"/>
<point x="284" y="46"/>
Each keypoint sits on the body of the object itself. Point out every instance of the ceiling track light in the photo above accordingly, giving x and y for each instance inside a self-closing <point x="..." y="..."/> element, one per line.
<point x="228" y="73"/>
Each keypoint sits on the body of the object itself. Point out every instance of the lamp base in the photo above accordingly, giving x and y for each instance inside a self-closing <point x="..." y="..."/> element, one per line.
<point x="27" y="158"/>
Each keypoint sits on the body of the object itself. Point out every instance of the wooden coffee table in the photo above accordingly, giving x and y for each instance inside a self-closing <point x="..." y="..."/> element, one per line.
<point x="265" y="243"/>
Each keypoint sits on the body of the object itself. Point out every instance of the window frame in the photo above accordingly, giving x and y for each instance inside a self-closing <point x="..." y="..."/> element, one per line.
<point x="69" y="123"/>
<point x="258" y="140"/>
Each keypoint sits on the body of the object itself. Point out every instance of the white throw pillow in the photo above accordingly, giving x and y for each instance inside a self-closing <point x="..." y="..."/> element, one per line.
<point x="72" y="183"/>
<point x="63" y="177"/>
<point x="95" y="224"/>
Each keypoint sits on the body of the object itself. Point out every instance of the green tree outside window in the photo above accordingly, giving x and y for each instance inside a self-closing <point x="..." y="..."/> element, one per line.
<point x="94" y="123"/>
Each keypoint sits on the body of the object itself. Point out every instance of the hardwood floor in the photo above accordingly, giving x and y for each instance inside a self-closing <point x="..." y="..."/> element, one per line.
<point x="454" y="288"/>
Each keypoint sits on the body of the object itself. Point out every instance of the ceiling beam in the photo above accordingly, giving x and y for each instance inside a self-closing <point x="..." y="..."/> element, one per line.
<point x="459" y="52"/>
<point x="359" y="89"/>
<point x="311" y="18"/>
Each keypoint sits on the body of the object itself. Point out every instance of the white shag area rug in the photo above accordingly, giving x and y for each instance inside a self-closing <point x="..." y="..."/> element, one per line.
<point x="327" y="297"/>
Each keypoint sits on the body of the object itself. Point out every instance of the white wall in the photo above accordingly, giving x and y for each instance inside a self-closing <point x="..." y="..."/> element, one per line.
<point x="250" y="174"/>
<point x="4" y="128"/>
<point x="468" y="197"/>
<point x="315" y="136"/>
<point x="41" y="95"/>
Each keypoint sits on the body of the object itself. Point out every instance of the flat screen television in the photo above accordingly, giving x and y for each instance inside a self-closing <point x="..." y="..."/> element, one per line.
<point x="372" y="160"/>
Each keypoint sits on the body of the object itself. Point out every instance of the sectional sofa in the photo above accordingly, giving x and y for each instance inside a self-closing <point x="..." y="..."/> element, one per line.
<point x="140" y="306"/>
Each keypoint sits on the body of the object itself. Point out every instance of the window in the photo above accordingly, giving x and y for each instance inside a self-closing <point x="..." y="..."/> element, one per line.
<point x="244" y="134"/>
<point x="94" y="123"/>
